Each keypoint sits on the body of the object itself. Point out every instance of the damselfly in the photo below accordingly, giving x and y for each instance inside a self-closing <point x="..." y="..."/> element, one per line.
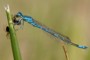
<point x="35" y="23"/>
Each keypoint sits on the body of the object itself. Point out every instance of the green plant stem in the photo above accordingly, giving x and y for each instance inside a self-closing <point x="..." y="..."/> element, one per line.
<point x="13" y="38"/>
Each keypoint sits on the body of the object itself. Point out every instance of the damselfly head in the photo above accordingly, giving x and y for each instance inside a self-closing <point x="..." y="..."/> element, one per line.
<point x="19" y="14"/>
<point x="16" y="20"/>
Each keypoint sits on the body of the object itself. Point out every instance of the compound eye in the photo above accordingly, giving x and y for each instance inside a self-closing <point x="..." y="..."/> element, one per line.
<point x="17" y="16"/>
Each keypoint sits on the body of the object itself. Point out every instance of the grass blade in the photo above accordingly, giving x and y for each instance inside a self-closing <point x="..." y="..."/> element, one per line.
<point x="13" y="38"/>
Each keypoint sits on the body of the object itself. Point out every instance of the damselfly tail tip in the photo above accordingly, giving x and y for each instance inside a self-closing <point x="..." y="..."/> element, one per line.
<point x="82" y="47"/>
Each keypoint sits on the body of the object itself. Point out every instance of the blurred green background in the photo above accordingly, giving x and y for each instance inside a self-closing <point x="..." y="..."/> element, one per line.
<point x="69" y="17"/>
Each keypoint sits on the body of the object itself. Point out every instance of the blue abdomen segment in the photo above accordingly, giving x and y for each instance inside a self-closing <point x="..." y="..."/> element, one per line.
<point x="79" y="46"/>
<point x="83" y="47"/>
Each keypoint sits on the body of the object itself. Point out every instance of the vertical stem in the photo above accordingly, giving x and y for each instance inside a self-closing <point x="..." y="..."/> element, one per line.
<point x="13" y="38"/>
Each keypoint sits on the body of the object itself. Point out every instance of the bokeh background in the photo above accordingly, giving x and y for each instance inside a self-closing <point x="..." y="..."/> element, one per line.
<point x="69" y="17"/>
